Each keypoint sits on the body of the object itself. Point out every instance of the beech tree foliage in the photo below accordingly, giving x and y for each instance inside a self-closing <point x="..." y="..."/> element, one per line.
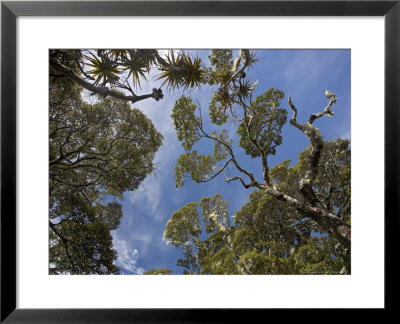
<point x="314" y="194"/>
<point x="96" y="152"/>
<point x="268" y="236"/>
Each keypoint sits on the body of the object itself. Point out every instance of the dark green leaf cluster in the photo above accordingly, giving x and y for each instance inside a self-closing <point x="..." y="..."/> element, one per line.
<point x="182" y="71"/>
<point x="108" y="67"/>
<point x="95" y="151"/>
<point x="221" y="62"/>
<point x="185" y="122"/>
<point x="217" y="116"/>
<point x="233" y="85"/>
<point x="118" y="73"/>
<point x="264" y="124"/>
<point x="81" y="243"/>
<point x="333" y="182"/>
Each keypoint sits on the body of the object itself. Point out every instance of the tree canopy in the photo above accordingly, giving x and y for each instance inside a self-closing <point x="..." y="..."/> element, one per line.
<point x="298" y="216"/>
<point x="268" y="236"/>
<point x="314" y="195"/>
<point x="96" y="152"/>
<point x="99" y="150"/>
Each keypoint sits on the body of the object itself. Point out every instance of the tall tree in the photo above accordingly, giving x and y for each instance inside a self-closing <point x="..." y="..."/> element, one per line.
<point x="259" y="123"/>
<point x="267" y="235"/>
<point x="96" y="152"/>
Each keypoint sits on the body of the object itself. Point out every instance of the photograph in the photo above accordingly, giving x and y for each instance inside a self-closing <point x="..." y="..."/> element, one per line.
<point x="195" y="161"/>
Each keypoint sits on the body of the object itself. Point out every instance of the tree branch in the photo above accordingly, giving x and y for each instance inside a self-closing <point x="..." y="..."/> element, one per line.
<point x="328" y="221"/>
<point x="239" y="72"/>
<point x="246" y="185"/>
<point x="293" y="121"/>
<point x="65" y="242"/>
<point x="233" y="159"/>
<point x="216" y="174"/>
<point x="102" y="91"/>
<point x="254" y="140"/>
<point x="312" y="133"/>
<point x="164" y="63"/>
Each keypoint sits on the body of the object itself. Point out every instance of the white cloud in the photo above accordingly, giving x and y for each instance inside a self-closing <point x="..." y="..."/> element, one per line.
<point x="151" y="192"/>
<point x="127" y="256"/>
<point x="144" y="239"/>
<point x="148" y="195"/>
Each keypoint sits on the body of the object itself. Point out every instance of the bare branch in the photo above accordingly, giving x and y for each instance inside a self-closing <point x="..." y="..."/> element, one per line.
<point x="312" y="133"/>
<point x="293" y="121"/>
<point x="326" y="111"/>
<point x="219" y="171"/>
<point x="246" y="185"/>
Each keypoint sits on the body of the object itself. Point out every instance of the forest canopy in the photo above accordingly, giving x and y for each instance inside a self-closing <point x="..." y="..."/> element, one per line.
<point x="297" y="219"/>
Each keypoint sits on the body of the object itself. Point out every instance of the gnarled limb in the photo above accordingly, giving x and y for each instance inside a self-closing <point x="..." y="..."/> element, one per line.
<point x="316" y="141"/>
<point x="328" y="221"/>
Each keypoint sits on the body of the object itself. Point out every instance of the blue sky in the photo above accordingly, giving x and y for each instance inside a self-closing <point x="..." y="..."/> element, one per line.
<point x="301" y="74"/>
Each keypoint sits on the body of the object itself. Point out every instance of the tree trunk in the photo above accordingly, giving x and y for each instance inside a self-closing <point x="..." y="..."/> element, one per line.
<point x="328" y="221"/>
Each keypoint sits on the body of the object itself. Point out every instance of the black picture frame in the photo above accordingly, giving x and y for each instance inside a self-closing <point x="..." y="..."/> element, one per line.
<point x="10" y="10"/>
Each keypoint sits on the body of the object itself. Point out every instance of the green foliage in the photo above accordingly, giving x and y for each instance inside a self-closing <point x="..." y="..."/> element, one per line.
<point x="268" y="236"/>
<point x="265" y="122"/>
<point x="198" y="166"/>
<point x="332" y="184"/>
<point x="95" y="151"/>
<point x="220" y="147"/>
<point x="275" y="231"/>
<point x="182" y="70"/>
<point x="102" y="69"/>
<point x="119" y="72"/>
<point x="158" y="272"/>
<point x="107" y="144"/>
<point x="234" y="85"/>
<point x="185" y="122"/>
<point x="189" y="131"/>
<point x="217" y="116"/>
<point x="81" y="248"/>
<point x="184" y="226"/>
<point x="221" y="59"/>
<point x="137" y="62"/>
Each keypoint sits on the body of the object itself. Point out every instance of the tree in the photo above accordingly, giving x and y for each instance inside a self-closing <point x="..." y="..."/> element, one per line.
<point x="158" y="272"/>
<point x="313" y="193"/>
<point x="118" y="73"/>
<point x="96" y="152"/>
<point x="267" y="235"/>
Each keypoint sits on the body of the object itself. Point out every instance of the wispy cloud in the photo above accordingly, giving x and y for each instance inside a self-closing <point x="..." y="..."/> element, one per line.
<point x="143" y="239"/>
<point x="127" y="256"/>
